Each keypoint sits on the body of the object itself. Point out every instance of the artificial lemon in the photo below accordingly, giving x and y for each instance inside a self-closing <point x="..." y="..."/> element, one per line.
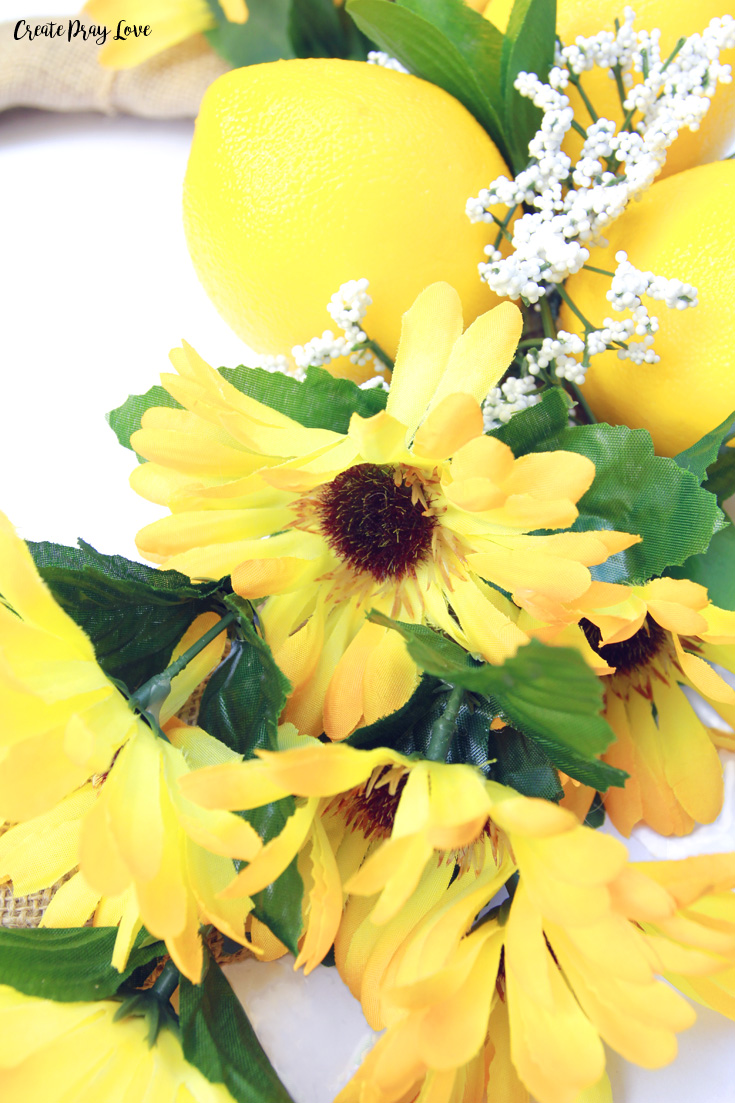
<point x="682" y="228"/>
<point x="674" y="18"/>
<point x="305" y="174"/>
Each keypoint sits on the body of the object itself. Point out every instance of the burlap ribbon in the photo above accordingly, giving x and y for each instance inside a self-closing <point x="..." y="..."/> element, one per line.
<point x="55" y="74"/>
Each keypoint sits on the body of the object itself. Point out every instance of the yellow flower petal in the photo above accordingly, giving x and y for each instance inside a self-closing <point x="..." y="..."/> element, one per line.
<point x="455" y="421"/>
<point x="275" y="856"/>
<point x="482" y="353"/>
<point x="429" y="330"/>
<point x="551" y="475"/>
<point x="324" y="901"/>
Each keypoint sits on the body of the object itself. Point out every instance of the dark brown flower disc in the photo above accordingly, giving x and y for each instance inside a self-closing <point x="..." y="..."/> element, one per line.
<point x="628" y="654"/>
<point x="372" y="523"/>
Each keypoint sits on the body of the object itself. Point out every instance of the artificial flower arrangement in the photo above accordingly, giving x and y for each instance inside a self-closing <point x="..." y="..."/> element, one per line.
<point x="433" y="598"/>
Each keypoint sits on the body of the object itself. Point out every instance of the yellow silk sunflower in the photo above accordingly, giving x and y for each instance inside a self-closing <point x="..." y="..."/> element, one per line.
<point x="58" y="1052"/>
<point x="371" y="822"/>
<point x="660" y="638"/>
<point x="412" y="512"/>
<point x="522" y="1004"/>
<point x="85" y="782"/>
<point x="170" y="21"/>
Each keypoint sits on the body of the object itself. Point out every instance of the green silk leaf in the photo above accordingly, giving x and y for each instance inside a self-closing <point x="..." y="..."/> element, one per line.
<point x="319" y="28"/>
<point x="69" y="963"/>
<point x="638" y="492"/>
<point x="133" y="614"/>
<point x="529" y="429"/>
<point x="703" y="453"/>
<point x="506" y="756"/>
<point x="720" y="479"/>
<point x="217" y="1038"/>
<point x="548" y="693"/>
<point x="319" y="402"/>
<point x="528" y="46"/>
<point x="125" y="420"/>
<point x="713" y="569"/>
<point x="241" y="706"/>
<point x="278" y="905"/>
<point x="427" y="52"/>
<point x="246" y="694"/>
<point x="264" y="37"/>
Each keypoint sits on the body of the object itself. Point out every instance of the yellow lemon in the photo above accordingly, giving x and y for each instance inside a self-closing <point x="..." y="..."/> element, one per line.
<point x="673" y="18"/>
<point x="305" y="174"/>
<point x="683" y="228"/>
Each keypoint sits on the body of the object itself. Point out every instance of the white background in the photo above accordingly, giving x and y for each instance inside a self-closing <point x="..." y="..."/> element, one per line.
<point x="95" y="287"/>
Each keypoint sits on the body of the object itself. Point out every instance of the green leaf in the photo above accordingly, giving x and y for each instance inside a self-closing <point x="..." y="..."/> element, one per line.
<point x="523" y="765"/>
<point x="241" y="706"/>
<point x="408" y="729"/>
<point x="548" y="693"/>
<point x="246" y="694"/>
<point x="426" y="52"/>
<point x="596" y="815"/>
<point x="721" y="476"/>
<point x="133" y="614"/>
<point x="319" y="402"/>
<point x="278" y="905"/>
<point x="638" y="492"/>
<point x="217" y="1038"/>
<point x="68" y="963"/>
<point x="264" y="37"/>
<point x="125" y="420"/>
<point x="528" y="46"/>
<point x="714" y="569"/>
<point x="529" y="429"/>
<point x="478" y="40"/>
<point x="703" y="453"/>
<point x="319" y="28"/>
<point x="506" y="756"/>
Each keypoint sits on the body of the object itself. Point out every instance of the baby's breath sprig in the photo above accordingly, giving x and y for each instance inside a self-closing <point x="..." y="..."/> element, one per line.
<point x="347" y="307"/>
<point x="567" y="206"/>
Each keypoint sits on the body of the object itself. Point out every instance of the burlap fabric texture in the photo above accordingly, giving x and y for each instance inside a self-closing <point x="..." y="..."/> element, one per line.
<point x="55" y="74"/>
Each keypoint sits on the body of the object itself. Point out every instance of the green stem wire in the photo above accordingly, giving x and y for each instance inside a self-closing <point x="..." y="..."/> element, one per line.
<point x="574" y="79"/>
<point x="167" y="982"/>
<point x="442" y="732"/>
<point x="150" y="696"/>
<point x="503" y="232"/>
<point x="546" y="318"/>
<point x="600" y="271"/>
<point x="375" y="348"/>
<point x="563" y="295"/>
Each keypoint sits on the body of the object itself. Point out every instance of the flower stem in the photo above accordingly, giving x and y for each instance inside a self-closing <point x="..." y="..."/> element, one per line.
<point x="574" y="78"/>
<point x="600" y="271"/>
<point x="167" y="982"/>
<point x="578" y="397"/>
<point x="150" y="696"/>
<point x="442" y="732"/>
<point x="381" y="354"/>
<point x="547" y="319"/>
<point x="504" y="226"/>
<point x="563" y="295"/>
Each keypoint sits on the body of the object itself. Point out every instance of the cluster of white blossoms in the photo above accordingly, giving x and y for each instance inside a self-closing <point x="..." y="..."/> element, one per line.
<point x="378" y="57"/>
<point x="572" y="204"/>
<point x="347" y="307"/>
<point x="516" y="393"/>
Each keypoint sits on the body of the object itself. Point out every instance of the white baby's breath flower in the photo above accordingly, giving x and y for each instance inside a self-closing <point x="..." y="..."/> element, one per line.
<point x="378" y="57"/>
<point x="569" y="206"/>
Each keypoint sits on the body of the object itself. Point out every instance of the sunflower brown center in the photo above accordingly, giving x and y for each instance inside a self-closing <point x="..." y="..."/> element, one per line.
<point x="375" y="522"/>
<point x="629" y="654"/>
<point x="372" y="809"/>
